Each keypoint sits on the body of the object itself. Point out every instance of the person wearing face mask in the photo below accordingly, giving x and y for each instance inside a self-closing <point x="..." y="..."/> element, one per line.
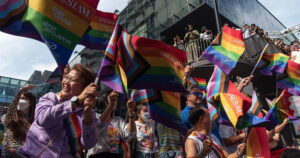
<point x="111" y="129"/>
<point x="145" y="133"/>
<point x="19" y="117"/>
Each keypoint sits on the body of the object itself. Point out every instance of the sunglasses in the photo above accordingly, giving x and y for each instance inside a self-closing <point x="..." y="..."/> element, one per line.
<point x="197" y="94"/>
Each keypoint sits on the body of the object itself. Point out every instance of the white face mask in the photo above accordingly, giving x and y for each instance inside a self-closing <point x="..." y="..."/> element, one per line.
<point x="23" y="104"/>
<point x="145" y="116"/>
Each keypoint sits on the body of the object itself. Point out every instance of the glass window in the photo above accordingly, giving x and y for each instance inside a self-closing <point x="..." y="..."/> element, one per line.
<point x="4" y="79"/>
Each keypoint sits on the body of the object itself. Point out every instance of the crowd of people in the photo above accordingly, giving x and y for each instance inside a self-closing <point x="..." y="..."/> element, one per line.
<point x="65" y="124"/>
<point x="279" y="43"/>
<point x="194" y="43"/>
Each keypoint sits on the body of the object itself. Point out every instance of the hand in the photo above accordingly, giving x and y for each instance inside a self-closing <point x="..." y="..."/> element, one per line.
<point x="188" y="70"/>
<point x="29" y="87"/>
<point x="89" y="103"/>
<point x="243" y="135"/>
<point x="241" y="149"/>
<point x="89" y="91"/>
<point x="286" y="120"/>
<point x="113" y="99"/>
<point x="245" y="82"/>
<point x="130" y="106"/>
<point x="207" y="146"/>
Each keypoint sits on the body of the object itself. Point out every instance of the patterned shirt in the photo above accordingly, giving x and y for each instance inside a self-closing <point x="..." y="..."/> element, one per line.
<point x="109" y="135"/>
<point x="13" y="142"/>
<point x="168" y="139"/>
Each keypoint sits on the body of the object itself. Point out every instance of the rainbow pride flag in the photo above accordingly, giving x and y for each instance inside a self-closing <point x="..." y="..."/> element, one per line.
<point x="281" y="109"/>
<point x="272" y="63"/>
<point x="73" y="130"/>
<point x="255" y="106"/>
<point x="226" y="49"/>
<point x="200" y="82"/>
<point x="164" y="107"/>
<point x="124" y="149"/>
<point x="290" y="79"/>
<point x="100" y="30"/>
<point x="257" y="143"/>
<point x="233" y="106"/>
<point x="14" y="22"/>
<point x="11" y="10"/>
<point x="143" y="64"/>
<point x="220" y="83"/>
<point x="61" y="24"/>
<point x="110" y="71"/>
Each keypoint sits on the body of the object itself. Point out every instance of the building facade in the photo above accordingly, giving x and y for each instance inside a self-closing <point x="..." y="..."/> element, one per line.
<point x="163" y="19"/>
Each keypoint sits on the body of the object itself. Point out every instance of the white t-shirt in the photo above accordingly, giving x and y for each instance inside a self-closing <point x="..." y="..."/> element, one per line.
<point x="145" y="134"/>
<point x="195" y="136"/>
<point x="227" y="132"/>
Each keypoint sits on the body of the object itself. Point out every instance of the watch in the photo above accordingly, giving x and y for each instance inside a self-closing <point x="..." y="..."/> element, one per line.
<point x="76" y="101"/>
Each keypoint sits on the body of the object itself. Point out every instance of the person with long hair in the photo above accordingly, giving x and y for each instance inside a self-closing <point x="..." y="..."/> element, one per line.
<point x="19" y="117"/>
<point x="65" y="122"/>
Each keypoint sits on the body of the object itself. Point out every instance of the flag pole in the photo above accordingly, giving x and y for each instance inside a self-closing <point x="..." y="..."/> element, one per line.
<point x="261" y="55"/>
<point x="45" y="83"/>
<point x="276" y="85"/>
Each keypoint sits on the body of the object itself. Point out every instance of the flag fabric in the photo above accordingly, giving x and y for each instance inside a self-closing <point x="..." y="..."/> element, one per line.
<point x="290" y="79"/>
<point x="233" y="105"/>
<point x="273" y="63"/>
<point x="142" y="64"/>
<point x="220" y="83"/>
<point x="100" y="30"/>
<point x="255" y="106"/>
<point x="200" y="82"/>
<point x="257" y="143"/>
<point x="281" y="109"/>
<point x="164" y="107"/>
<point x="226" y="49"/>
<point x="277" y="153"/>
<point x="73" y="130"/>
<point x="213" y="112"/>
<point x="59" y="24"/>
<point x="110" y="72"/>
<point x="11" y="10"/>
<point x="124" y="149"/>
<point x="14" y="22"/>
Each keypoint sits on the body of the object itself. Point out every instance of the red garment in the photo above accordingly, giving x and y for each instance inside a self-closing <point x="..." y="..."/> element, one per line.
<point x="277" y="153"/>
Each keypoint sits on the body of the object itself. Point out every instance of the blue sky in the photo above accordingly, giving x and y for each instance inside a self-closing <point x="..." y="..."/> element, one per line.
<point x="21" y="56"/>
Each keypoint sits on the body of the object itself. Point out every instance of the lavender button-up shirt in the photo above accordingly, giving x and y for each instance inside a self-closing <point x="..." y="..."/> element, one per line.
<point x="49" y="115"/>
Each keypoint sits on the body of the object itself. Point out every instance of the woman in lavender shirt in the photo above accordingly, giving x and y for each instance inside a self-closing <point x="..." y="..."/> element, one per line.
<point x="65" y="122"/>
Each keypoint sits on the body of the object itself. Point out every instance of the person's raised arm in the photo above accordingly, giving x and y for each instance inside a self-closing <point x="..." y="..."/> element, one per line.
<point x="130" y="107"/>
<point x="112" y="104"/>
<point x="239" y="152"/>
<point x="187" y="74"/>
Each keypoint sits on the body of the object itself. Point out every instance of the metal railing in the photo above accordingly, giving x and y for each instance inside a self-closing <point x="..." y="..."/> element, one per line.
<point x="195" y="48"/>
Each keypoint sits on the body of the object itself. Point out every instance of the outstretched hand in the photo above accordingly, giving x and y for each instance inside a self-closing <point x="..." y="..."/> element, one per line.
<point x="245" y="82"/>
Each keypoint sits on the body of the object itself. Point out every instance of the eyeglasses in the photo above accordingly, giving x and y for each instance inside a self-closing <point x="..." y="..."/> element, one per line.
<point x="71" y="79"/>
<point x="197" y="94"/>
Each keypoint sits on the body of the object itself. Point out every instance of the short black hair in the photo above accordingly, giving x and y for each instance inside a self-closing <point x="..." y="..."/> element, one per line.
<point x="195" y="114"/>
